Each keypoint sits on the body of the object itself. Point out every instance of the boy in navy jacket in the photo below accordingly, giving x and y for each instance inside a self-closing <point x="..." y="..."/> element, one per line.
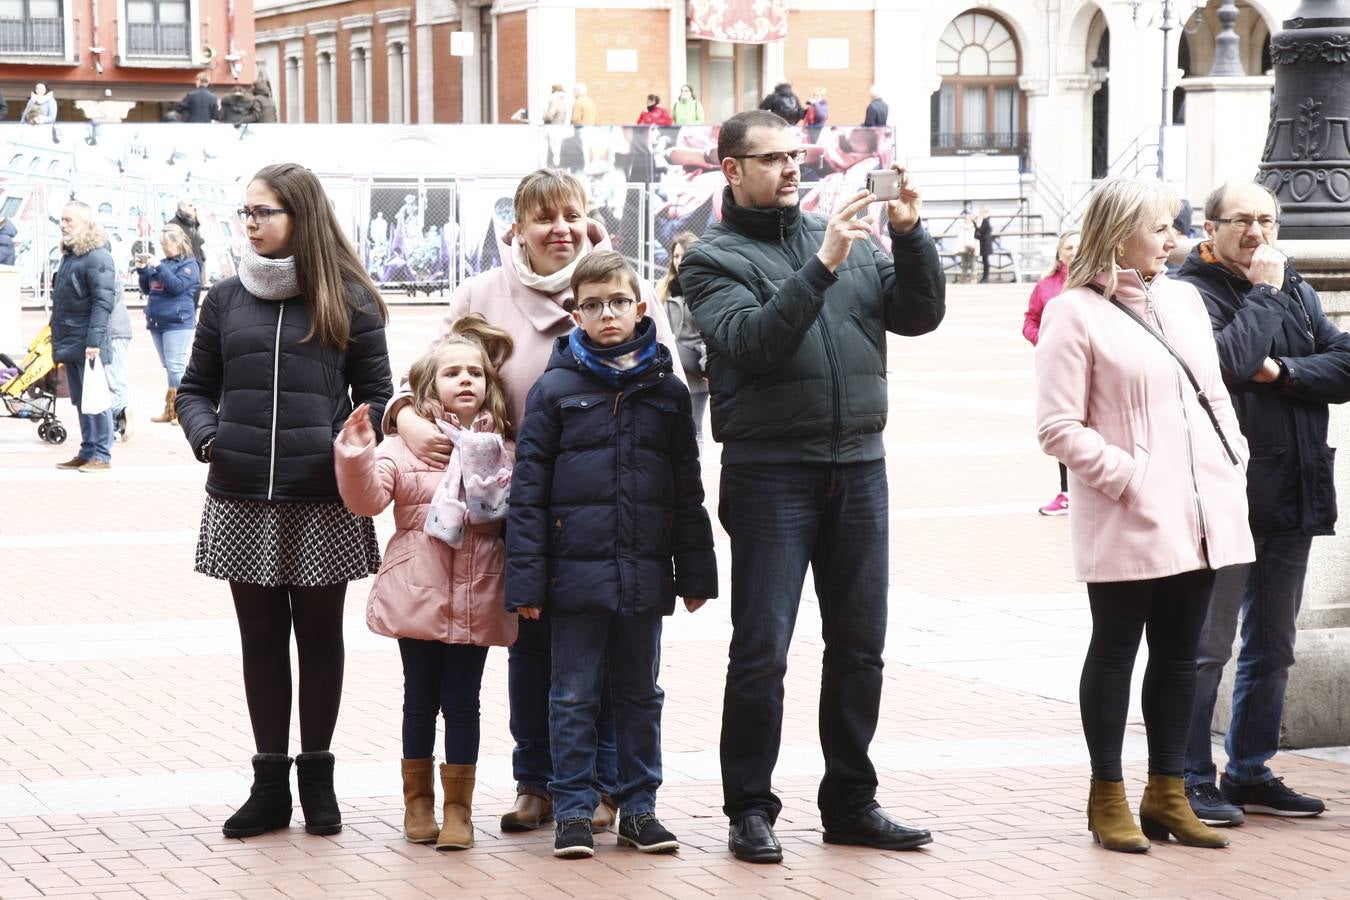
<point x="606" y="527"/>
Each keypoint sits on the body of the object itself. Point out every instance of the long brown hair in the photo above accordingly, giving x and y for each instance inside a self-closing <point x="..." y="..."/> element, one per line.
<point x="327" y="269"/>
<point x="493" y="343"/>
<point x="684" y="240"/>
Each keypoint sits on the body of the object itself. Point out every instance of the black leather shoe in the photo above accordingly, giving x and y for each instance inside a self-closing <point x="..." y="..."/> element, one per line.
<point x="877" y="828"/>
<point x="752" y="840"/>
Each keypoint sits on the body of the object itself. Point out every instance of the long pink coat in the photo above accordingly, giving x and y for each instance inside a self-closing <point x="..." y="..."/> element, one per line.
<point x="426" y="589"/>
<point x="1148" y="476"/>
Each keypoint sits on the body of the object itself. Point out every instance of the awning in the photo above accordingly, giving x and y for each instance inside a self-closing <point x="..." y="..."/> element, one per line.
<point x="738" y="21"/>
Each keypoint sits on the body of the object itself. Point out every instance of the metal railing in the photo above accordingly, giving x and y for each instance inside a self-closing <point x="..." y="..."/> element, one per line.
<point x="36" y="36"/>
<point x="158" y="39"/>
<point x="978" y="142"/>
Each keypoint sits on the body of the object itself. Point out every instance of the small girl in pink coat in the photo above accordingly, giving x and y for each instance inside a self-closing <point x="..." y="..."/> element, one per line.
<point x="440" y="590"/>
<point x="1050" y="286"/>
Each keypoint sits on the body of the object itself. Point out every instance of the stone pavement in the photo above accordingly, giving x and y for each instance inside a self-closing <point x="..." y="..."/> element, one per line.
<point x="124" y="740"/>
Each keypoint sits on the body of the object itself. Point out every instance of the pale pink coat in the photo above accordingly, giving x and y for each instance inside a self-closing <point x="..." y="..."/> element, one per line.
<point x="1116" y="409"/>
<point x="425" y="589"/>
<point x="534" y="320"/>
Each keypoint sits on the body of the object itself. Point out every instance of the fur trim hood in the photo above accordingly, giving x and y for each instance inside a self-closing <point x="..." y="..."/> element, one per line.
<point x="89" y="236"/>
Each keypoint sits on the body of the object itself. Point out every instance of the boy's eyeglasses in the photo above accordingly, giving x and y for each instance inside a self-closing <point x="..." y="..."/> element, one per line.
<point x="259" y="214"/>
<point x="594" y="309"/>
<point x="779" y="158"/>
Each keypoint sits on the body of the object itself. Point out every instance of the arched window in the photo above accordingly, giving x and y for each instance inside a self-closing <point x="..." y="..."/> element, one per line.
<point x="979" y="108"/>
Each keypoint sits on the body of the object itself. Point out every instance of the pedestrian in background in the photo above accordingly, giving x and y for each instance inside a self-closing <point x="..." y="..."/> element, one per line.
<point x="688" y="109"/>
<point x="583" y="107"/>
<point x="556" y="112"/>
<point x="966" y="245"/>
<point x="283" y="353"/>
<point x="784" y="103"/>
<point x="440" y="589"/>
<point x="984" y="232"/>
<point x="7" y="235"/>
<point x="199" y="105"/>
<point x="878" y="113"/>
<point x="693" y="356"/>
<point x="655" y="113"/>
<point x="170" y="288"/>
<point x="818" y="110"/>
<point x="264" y="108"/>
<point x="1131" y="399"/>
<point x="41" y="107"/>
<point x="185" y="217"/>
<point x="117" y="362"/>
<point x="1049" y="287"/>
<point x="236" y="106"/>
<point x="4" y="107"/>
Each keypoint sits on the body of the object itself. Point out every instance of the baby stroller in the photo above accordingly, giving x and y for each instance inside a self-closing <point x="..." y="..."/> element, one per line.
<point x="29" y="391"/>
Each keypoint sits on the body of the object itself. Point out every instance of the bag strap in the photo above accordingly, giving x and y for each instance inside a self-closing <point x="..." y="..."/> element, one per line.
<point x="1190" y="376"/>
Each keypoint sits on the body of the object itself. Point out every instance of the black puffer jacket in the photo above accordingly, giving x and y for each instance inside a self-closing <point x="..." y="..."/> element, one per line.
<point x="797" y="354"/>
<point x="84" y="293"/>
<point x="1290" y="484"/>
<point x="273" y="401"/>
<point x="606" y="495"/>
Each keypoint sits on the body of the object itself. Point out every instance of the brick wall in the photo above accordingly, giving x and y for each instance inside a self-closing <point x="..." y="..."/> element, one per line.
<point x="449" y="103"/>
<point x="846" y="89"/>
<point x="512" y="74"/>
<point x="621" y="96"/>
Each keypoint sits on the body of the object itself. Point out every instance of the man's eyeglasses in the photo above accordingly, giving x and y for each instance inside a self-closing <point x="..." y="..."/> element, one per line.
<point x="1242" y="223"/>
<point x="778" y="158"/>
<point x="259" y="214"/>
<point x="594" y="309"/>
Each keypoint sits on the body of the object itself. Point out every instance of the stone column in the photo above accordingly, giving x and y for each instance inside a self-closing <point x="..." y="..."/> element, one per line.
<point x="1221" y="144"/>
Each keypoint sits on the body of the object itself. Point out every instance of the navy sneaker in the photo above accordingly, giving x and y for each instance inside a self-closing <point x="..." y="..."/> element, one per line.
<point x="644" y="832"/>
<point x="573" y="839"/>
<point x="1272" y="798"/>
<point x="1210" y="806"/>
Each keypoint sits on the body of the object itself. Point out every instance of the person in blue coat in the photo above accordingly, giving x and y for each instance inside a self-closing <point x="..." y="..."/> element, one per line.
<point x="170" y="287"/>
<point x="607" y="526"/>
<point x="7" y="234"/>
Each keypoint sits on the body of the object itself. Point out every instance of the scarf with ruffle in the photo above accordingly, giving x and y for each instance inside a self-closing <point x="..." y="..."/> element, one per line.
<point x="476" y="486"/>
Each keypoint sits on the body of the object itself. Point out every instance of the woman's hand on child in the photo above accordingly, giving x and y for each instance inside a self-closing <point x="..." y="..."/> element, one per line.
<point x="694" y="604"/>
<point x="423" y="438"/>
<point x="529" y="612"/>
<point x="358" y="432"/>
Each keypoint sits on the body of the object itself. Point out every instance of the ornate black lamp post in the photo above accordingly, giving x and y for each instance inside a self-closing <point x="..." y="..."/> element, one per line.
<point x="1306" y="161"/>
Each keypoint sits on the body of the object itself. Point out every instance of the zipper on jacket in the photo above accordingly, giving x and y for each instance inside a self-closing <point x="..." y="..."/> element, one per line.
<point x="836" y="425"/>
<point x="276" y="379"/>
<point x="1190" y="447"/>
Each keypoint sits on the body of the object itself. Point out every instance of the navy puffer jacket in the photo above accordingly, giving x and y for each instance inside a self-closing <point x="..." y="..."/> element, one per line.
<point x="606" y="498"/>
<point x="84" y="292"/>
<point x="170" y="289"/>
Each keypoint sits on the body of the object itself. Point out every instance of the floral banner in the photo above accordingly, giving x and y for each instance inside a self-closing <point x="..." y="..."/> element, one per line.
<point x="738" y="21"/>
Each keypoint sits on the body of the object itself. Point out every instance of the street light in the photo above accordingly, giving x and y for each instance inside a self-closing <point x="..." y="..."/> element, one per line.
<point x="1162" y="18"/>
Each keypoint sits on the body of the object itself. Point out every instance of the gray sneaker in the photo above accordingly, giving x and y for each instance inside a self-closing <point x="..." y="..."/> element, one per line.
<point x="1211" y="807"/>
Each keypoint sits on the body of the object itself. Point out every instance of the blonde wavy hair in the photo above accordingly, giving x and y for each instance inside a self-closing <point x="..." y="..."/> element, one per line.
<point x="1115" y="210"/>
<point x="493" y="343"/>
<point x="176" y="238"/>
<point x="1059" y="248"/>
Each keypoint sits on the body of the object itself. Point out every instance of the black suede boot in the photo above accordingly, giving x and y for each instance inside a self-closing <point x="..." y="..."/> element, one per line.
<point x="314" y="773"/>
<point x="269" y="800"/>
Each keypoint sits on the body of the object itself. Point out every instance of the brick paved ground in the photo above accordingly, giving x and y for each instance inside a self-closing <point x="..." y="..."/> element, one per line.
<point x="124" y="741"/>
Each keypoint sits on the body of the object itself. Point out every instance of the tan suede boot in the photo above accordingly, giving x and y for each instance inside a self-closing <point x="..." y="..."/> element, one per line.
<point x="170" y="414"/>
<point x="1165" y="810"/>
<point x="419" y="801"/>
<point x="456" y="815"/>
<point x="1109" y="818"/>
<point x="532" y="809"/>
<point x="605" y="814"/>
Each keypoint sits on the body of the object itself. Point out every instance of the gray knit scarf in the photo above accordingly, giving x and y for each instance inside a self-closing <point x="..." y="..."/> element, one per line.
<point x="266" y="278"/>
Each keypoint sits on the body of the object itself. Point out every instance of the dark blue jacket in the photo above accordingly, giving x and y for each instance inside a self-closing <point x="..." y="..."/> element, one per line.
<point x="84" y="292"/>
<point x="7" y="233"/>
<point x="606" y="498"/>
<point x="1290" y="487"/>
<point x="170" y="289"/>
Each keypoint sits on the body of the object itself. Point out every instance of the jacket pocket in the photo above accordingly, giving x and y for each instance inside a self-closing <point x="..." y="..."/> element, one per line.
<point x="587" y="421"/>
<point x="878" y="340"/>
<point x="1135" y="485"/>
<point x="1272" y="488"/>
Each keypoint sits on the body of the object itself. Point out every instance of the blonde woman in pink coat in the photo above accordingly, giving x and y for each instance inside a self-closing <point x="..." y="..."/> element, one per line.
<point x="440" y="589"/>
<point x="1159" y="489"/>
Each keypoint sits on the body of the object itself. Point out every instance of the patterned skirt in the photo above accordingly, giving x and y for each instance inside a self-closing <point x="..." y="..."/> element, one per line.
<point x="273" y="544"/>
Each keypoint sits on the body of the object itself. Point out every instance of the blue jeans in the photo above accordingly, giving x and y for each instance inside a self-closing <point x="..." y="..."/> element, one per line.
<point x="441" y="678"/>
<point x="1268" y="594"/>
<point x="96" y="432"/>
<point x="173" y="348"/>
<point x="781" y="519"/>
<point x="528" y="676"/>
<point x="582" y="646"/>
<point x="115" y="364"/>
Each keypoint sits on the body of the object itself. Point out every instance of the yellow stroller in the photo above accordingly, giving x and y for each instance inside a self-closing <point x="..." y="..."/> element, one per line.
<point x="29" y="391"/>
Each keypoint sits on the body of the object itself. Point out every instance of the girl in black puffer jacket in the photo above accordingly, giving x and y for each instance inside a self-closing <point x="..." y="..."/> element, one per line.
<point x="282" y="355"/>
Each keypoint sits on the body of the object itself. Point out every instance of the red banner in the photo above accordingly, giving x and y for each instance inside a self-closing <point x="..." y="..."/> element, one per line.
<point x="738" y="21"/>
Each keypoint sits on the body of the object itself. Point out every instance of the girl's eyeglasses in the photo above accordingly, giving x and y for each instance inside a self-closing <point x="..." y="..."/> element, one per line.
<point x="259" y="214"/>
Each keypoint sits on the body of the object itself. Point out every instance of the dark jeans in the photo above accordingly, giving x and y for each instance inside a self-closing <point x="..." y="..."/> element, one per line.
<point x="528" y="675"/>
<point x="781" y="519"/>
<point x="441" y="678"/>
<point x="265" y="618"/>
<point x="96" y="432"/>
<point x="1268" y="594"/>
<point x="1172" y="611"/>
<point x="582" y="648"/>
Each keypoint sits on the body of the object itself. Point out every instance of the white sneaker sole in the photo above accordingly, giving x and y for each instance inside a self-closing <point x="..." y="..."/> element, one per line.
<point x="574" y="852"/>
<point x="662" y="847"/>
<point x="1283" y="813"/>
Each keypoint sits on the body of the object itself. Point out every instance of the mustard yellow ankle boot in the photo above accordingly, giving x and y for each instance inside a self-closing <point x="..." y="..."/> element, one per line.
<point x="1165" y="810"/>
<point x="1109" y="818"/>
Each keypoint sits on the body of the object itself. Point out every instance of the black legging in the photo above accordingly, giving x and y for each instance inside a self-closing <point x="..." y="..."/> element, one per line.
<point x="1173" y="609"/>
<point x="265" y="617"/>
<point x="1063" y="479"/>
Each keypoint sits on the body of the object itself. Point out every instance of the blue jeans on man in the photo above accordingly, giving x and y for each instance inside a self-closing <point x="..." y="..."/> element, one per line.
<point x="583" y="645"/>
<point x="1268" y="594"/>
<point x="96" y="431"/>
<point x="781" y="519"/>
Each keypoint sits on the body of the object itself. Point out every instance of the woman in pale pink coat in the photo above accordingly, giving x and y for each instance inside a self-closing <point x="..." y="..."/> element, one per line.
<point x="1159" y="492"/>
<point x="440" y="589"/>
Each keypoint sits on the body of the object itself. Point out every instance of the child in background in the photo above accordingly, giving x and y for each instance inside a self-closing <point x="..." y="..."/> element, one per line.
<point x="440" y="588"/>
<point x="1049" y="287"/>
<point x="607" y="526"/>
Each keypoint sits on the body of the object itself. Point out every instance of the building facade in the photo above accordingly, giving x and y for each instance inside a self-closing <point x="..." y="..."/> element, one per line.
<point x="121" y="60"/>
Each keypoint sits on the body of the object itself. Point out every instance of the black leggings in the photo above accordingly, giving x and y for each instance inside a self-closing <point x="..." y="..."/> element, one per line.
<point x="265" y="617"/>
<point x="1063" y="479"/>
<point x="1173" y="612"/>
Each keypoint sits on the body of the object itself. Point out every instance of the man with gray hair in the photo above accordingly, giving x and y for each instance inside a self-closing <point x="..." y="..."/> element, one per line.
<point x="1283" y="362"/>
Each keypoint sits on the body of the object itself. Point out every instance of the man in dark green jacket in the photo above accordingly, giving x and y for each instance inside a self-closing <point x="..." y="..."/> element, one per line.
<point x="795" y="310"/>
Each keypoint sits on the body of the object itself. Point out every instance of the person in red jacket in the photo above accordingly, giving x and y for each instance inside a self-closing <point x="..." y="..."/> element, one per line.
<point x="655" y="113"/>
<point x="1049" y="287"/>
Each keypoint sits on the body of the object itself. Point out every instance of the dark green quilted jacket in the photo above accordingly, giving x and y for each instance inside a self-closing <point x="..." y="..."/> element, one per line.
<point x="797" y="354"/>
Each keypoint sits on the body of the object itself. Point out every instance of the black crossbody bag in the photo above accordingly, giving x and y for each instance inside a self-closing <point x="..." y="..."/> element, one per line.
<point x="1190" y="376"/>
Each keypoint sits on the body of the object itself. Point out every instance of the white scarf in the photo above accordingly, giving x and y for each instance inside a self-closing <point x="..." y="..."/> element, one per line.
<point x="545" y="284"/>
<point x="268" y="279"/>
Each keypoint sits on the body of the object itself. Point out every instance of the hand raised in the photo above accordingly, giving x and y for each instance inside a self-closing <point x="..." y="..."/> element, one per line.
<point x="843" y="229"/>
<point x="1267" y="267"/>
<point x="905" y="210"/>
<point x="357" y="430"/>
